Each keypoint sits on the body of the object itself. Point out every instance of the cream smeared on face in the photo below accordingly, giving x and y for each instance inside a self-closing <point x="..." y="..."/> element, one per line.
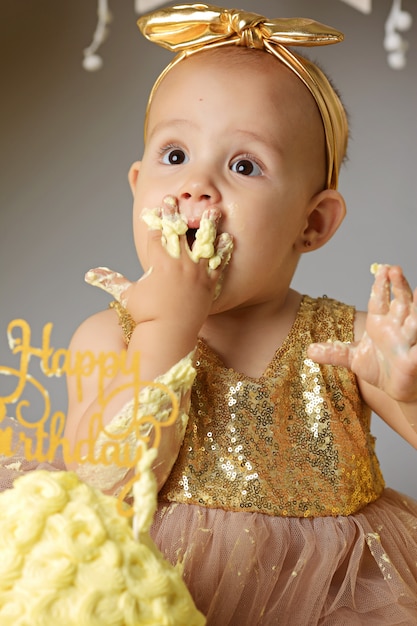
<point x="203" y="241"/>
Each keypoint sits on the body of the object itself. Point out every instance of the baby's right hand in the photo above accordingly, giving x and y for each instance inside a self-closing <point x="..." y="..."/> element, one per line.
<point x="181" y="284"/>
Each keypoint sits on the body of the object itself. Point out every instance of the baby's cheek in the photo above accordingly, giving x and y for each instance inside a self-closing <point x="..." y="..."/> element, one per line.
<point x="140" y="239"/>
<point x="234" y="221"/>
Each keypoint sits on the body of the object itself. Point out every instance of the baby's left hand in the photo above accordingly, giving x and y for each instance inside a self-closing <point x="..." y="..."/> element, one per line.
<point x="386" y="355"/>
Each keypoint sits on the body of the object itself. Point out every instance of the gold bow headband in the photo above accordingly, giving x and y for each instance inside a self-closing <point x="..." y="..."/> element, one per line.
<point x="189" y="28"/>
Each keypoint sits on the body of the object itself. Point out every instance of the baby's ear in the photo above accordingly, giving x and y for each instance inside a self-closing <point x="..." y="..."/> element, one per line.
<point x="133" y="176"/>
<point x="326" y="212"/>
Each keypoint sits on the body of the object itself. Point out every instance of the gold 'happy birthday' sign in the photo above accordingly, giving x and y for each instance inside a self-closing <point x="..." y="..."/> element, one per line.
<point x="48" y="440"/>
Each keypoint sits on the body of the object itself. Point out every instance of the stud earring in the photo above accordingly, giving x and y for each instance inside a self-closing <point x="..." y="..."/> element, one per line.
<point x="307" y="243"/>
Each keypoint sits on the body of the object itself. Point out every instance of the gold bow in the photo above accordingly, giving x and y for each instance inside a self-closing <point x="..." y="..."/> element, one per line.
<point x="187" y="29"/>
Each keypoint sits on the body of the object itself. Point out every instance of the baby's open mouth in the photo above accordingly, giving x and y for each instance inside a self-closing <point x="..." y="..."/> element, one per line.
<point x="191" y="233"/>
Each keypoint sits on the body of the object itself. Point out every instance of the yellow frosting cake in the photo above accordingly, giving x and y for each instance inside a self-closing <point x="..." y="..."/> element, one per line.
<point x="68" y="558"/>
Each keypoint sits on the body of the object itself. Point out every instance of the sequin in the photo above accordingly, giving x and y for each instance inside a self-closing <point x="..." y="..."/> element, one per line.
<point x="294" y="442"/>
<point x="126" y="321"/>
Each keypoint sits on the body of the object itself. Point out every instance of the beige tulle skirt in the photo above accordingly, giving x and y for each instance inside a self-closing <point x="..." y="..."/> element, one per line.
<point x="249" y="569"/>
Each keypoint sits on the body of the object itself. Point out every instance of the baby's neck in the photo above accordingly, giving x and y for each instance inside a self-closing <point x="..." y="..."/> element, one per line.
<point x="246" y="339"/>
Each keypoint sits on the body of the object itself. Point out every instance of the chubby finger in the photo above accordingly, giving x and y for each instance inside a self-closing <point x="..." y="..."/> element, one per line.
<point x="110" y="281"/>
<point x="337" y="353"/>
<point x="380" y="298"/>
<point x="152" y="218"/>
<point x="410" y="327"/>
<point x="224" y="249"/>
<point x="400" y="286"/>
<point x="205" y="237"/>
<point x="223" y="252"/>
<point x="169" y="205"/>
<point x="169" y="222"/>
<point x="391" y="293"/>
<point x="402" y="302"/>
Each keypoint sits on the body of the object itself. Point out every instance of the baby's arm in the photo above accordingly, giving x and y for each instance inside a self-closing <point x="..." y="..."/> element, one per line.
<point x="169" y="305"/>
<point x="384" y="358"/>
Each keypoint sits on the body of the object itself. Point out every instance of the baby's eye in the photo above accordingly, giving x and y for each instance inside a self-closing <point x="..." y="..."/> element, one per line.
<point x="174" y="156"/>
<point x="246" y="167"/>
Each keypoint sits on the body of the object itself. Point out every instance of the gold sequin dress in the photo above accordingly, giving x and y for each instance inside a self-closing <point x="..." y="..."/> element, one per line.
<point x="276" y="504"/>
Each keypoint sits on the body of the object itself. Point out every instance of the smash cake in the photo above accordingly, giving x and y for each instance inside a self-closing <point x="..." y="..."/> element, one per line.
<point x="69" y="557"/>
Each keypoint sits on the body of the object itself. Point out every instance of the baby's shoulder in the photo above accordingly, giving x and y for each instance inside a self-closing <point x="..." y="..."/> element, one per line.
<point x="99" y="332"/>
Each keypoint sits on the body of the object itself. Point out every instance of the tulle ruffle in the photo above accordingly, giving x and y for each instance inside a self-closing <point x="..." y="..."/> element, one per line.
<point x="250" y="569"/>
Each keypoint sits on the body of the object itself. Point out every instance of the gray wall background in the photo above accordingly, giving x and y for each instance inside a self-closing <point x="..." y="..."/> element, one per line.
<point x="68" y="138"/>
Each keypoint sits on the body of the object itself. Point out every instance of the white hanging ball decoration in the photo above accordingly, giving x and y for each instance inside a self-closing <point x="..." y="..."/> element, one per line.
<point x="92" y="62"/>
<point x="392" y="41"/>
<point x="404" y="20"/>
<point x="396" y="60"/>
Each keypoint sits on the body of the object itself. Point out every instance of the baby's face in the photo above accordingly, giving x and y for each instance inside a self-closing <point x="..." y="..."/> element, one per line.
<point x="246" y="138"/>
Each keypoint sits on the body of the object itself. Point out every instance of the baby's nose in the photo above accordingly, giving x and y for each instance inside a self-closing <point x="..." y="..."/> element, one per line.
<point x="197" y="195"/>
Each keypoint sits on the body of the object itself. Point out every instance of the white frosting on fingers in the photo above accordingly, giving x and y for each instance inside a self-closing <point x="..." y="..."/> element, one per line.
<point x="171" y="226"/>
